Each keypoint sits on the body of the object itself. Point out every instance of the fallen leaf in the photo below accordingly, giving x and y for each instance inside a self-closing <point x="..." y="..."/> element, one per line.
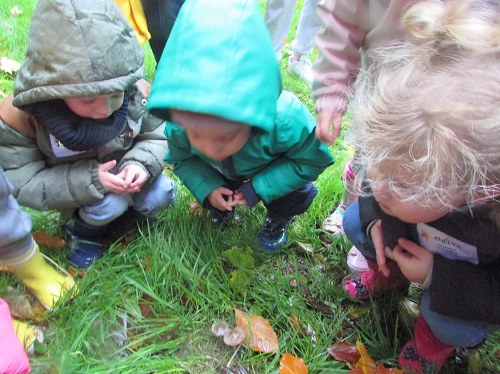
<point x="306" y="247"/>
<point x="241" y="258"/>
<point x="259" y="333"/>
<point x="241" y="279"/>
<point x="344" y="352"/>
<point x="48" y="241"/>
<point x="19" y="304"/>
<point x="366" y="365"/>
<point x="75" y="272"/>
<point x="294" y="320"/>
<point x="290" y="364"/>
<point x="145" y="306"/>
<point x="5" y="268"/>
<point x="365" y="361"/>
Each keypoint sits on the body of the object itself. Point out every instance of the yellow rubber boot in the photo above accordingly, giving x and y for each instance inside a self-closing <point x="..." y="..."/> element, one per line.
<point x="45" y="283"/>
<point x="27" y="334"/>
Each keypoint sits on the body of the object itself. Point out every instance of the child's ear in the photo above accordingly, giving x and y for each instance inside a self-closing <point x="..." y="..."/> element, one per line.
<point x="143" y="86"/>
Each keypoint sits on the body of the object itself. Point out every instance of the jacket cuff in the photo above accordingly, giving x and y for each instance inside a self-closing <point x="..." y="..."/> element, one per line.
<point x="330" y="103"/>
<point x="248" y="191"/>
<point x="96" y="181"/>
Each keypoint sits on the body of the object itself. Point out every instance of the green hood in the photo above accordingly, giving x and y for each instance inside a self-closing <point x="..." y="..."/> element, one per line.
<point x="219" y="60"/>
<point x="77" y="48"/>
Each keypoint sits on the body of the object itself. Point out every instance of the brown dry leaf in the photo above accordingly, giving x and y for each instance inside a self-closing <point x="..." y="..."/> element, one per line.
<point x="5" y="268"/>
<point x="366" y="365"/>
<point x="19" y="304"/>
<point x="290" y="364"/>
<point x="48" y="241"/>
<point x="75" y="272"/>
<point x="258" y="331"/>
<point x="145" y="306"/>
<point x="294" y="320"/>
<point x="39" y="312"/>
<point x="147" y="263"/>
<point x="344" y="352"/>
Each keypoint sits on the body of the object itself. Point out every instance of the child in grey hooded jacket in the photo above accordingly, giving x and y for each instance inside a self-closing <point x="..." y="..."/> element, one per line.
<point x="76" y="136"/>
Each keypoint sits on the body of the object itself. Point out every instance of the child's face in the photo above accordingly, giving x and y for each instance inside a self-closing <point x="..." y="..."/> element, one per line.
<point x="215" y="137"/>
<point x="95" y="107"/>
<point x="409" y="211"/>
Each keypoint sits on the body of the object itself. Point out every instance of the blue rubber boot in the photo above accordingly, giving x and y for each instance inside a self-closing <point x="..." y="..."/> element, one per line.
<point x="274" y="232"/>
<point x="84" y="242"/>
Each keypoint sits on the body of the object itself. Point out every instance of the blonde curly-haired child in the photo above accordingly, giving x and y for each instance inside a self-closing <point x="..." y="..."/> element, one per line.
<point x="427" y="122"/>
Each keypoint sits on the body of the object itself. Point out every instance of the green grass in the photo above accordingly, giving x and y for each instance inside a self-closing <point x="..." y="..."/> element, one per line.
<point x="148" y="305"/>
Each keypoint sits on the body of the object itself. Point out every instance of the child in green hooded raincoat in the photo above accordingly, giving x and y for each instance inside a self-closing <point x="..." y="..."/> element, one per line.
<point x="235" y="137"/>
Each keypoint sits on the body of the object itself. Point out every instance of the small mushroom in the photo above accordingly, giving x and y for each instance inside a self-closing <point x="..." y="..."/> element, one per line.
<point x="220" y="328"/>
<point x="234" y="337"/>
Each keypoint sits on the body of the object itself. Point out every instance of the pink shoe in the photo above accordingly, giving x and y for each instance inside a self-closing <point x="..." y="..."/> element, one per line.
<point x="371" y="282"/>
<point x="424" y="354"/>
<point x="13" y="359"/>
<point x="356" y="261"/>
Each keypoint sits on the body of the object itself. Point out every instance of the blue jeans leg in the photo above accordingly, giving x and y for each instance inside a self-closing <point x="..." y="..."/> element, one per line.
<point x="354" y="232"/>
<point x="155" y="197"/>
<point x="103" y="211"/>
<point x="149" y="201"/>
<point x="453" y="331"/>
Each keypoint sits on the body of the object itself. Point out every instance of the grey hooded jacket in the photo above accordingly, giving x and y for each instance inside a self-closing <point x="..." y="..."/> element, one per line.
<point x="77" y="48"/>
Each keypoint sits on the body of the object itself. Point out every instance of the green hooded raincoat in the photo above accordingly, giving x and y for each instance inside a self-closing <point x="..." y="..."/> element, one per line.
<point x="219" y="60"/>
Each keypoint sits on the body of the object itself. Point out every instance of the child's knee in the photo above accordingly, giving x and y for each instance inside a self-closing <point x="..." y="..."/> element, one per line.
<point x="156" y="198"/>
<point x="105" y="210"/>
<point x="351" y="221"/>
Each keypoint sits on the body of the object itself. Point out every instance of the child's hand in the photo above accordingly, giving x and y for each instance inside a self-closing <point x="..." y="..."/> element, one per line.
<point x="133" y="177"/>
<point x="323" y="126"/>
<point x="239" y="198"/>
<point x="414" y="261"/>
<point x="380" y="250"/>
<point x="110" y="181"/>
<point x="222" y="198"/>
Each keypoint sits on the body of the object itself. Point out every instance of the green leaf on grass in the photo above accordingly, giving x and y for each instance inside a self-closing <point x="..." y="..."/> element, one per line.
<point x="241" y="258"/>
<point x="241" y="279"/>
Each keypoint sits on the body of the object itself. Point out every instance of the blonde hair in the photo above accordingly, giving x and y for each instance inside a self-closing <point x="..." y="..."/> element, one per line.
<point x="428" y="112"/>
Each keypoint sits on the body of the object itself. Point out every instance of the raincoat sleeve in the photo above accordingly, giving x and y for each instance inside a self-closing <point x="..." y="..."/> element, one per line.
<point x="36" y="184"/>
<point x="302" y="158"/>
<point x="338" y="42"/>
<point x="150" y="145"/>
<point x="199" y="177"/>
